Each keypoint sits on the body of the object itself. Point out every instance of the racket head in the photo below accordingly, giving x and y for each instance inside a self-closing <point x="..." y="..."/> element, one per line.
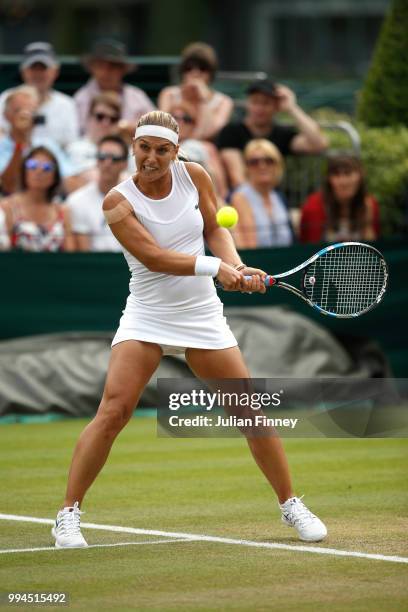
<point x="345" y="280"/>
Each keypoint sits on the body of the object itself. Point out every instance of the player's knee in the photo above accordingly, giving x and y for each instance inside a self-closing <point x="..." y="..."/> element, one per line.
<point x="113" y="415"/>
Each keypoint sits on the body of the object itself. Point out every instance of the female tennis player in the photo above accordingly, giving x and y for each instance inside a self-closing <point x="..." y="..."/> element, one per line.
<point x="161" y="217"/>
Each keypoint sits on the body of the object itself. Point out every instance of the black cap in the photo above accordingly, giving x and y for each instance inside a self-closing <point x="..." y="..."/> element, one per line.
<point x="264" y="86"/>
<point x="39" y="52"/>
<point x="111" y="51"/>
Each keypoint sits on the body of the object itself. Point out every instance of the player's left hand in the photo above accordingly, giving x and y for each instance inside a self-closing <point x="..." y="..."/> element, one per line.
<point x="256" y="284"/>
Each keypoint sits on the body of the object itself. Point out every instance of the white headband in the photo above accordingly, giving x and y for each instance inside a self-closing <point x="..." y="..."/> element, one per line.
<point x="158" y="131"/>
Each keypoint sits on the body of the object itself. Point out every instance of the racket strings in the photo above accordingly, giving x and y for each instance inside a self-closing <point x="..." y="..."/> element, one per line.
<point x="346" y="281"/>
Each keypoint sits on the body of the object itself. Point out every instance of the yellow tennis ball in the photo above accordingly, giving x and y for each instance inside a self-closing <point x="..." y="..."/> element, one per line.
<point x="227" y="216"/>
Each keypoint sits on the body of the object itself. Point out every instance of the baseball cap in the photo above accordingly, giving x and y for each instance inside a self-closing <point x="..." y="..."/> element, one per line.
<point x="264" y="86"/>
<point x="41" y="52"/>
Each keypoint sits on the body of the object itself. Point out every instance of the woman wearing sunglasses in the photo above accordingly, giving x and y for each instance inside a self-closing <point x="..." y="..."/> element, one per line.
<point x="263" y="216"/>
<point x="103" y="119"/>
<point x="213" y="109"/>
<point x="34" y="220"/>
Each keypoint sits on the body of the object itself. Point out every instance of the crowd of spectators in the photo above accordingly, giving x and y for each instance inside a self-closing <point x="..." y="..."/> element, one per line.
<point x="60" y="155"/>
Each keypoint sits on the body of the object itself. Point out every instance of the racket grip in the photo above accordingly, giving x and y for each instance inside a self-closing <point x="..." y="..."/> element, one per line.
<point x="268" y="280"/>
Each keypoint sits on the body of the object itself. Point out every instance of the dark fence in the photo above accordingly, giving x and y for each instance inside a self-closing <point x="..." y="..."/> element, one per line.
<point x="45" y="293"/>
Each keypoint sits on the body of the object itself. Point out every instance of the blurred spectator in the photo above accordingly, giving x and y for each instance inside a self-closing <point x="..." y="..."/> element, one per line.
<point x="104" y="115"/>
<point x="34" y="220"/>
<point x="263" y="216"/>
<point x="21" y="106"/>
<point x="212" y="108"/>
<point x="342" y="210"/>
<point x="88" y="223"/>
<point x="108" y="64"/>
<point x="200" y="151"/>
<point x="266" y="99"/>
<point x="4" y="237"/>
<point x="56" y="116"/>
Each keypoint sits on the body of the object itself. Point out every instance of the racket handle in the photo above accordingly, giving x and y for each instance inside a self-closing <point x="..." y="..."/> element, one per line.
<point x="268" y="280"/>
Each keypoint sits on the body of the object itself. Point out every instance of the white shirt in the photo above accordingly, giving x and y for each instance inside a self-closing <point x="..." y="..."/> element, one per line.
<point x="85" y="205"/>
<point x="176" y="223"/>
<point x="61" y="118"/>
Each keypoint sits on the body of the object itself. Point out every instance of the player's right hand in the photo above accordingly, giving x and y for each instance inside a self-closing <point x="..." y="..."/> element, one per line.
<point x="256" y="283"/>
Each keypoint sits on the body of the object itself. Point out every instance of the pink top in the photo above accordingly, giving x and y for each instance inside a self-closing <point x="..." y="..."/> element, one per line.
<point x="135" y="102"/>
<point x="213" y="114"/>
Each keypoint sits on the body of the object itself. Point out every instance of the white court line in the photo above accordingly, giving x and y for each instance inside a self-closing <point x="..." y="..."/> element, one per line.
<point x="39" y="549"/>
<point x="203" y="538"/>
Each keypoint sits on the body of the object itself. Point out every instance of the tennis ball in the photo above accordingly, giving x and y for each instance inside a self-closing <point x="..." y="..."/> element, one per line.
<point x="227" y="216"/>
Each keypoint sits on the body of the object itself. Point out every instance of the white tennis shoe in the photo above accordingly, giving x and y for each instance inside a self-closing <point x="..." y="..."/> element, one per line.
<point x="67" y="528"/>
<point x="296" y="514"/>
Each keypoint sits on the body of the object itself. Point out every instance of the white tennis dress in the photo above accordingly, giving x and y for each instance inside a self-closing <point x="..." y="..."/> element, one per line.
<point x="175" y="312"/>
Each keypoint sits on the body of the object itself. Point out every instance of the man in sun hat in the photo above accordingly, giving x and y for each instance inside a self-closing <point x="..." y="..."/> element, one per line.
<point x="108" y="64"/>
<point x="56" y="117"/>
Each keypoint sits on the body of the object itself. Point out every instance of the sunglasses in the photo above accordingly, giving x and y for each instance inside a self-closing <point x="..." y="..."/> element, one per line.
<point x="33" y="164"/>
<point x="111" y="157"/>
<point x="185" y="118"/>
<point x="257" y="161"/>
<point x="102" y="116"/>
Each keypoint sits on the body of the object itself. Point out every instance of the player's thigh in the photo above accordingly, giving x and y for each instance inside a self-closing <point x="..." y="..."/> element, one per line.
<point x="223" y="363"/>
<point x="131" y="366"/>
<point x="223" y="370"/>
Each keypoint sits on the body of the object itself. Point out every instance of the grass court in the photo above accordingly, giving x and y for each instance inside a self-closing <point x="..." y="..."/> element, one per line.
<point x="205" y="487"/>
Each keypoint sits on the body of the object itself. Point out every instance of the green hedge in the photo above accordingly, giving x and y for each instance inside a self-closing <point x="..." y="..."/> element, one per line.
<point x="384" y="97"/>
<point x="385" y="156"/>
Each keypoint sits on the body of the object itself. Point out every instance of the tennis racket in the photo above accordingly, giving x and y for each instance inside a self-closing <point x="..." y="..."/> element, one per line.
<point x="342" y="280"/>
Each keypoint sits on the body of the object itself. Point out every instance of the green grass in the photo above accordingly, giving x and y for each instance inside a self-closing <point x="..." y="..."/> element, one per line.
<point x="211" y="487"/>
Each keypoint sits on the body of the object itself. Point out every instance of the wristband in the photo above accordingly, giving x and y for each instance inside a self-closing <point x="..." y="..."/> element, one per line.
<point x="19" y="146"/>
<point x="239" y="267"/>
<point x="207" y="266"/>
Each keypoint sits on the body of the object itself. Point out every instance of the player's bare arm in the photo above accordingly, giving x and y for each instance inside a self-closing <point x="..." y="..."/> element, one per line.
<point x="219" y="240"/>
<point x="140" y="243"/>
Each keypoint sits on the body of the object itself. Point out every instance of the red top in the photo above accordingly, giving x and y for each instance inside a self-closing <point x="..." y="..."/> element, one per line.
<point x="314" y="219"/>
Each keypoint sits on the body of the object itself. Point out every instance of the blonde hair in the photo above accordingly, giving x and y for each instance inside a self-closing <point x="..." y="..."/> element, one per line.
<point x="22" y="90"/>
<point x="160" y="118"/>
<point x="268" y="148"/>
